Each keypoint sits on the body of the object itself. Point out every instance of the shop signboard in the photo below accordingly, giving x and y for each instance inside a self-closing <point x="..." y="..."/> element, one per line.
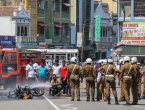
<point x="7" y="41"/>
<point x="97" y="28"/>
<point x="133" y="33"/>
<point x="26" y="42"/>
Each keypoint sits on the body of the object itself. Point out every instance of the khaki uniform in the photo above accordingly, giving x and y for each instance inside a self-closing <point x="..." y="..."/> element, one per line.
<point x="74" y="71"/>
<point x="101" y="89"/>
<point x="109" y="80"/>
<point x="135" y="83"/>
<point x="122" y="96"/>
<point x="127" y="80"/>
<point x="88" y="70"/>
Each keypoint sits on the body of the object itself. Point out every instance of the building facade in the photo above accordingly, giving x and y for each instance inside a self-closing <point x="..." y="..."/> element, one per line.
<point x="29" y="5"/>
<point x="15" y="21"/>
<point x="106" y="26"/>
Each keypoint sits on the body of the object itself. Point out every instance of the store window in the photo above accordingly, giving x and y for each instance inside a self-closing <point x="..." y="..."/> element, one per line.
<point x="139" y="8"/>
<point x="126" y="4"/>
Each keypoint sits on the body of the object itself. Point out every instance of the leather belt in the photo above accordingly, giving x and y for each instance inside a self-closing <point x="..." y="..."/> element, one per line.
<point x="109" y="75"/>
<point x="127" y="77"/>
<point x="74" y="75"/>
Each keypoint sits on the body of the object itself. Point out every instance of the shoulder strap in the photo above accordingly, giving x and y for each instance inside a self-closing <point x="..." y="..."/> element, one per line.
<point x="108" y="69"/>
<point x="129" y="70"/>
<point x="73" y="69"/>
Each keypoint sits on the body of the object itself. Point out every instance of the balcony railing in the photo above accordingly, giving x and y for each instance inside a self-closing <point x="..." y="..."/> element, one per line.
<point x="106" y="39"/>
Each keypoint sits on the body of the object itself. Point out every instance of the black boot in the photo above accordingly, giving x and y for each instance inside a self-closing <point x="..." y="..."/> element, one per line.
<point x="116" y="101"/>
<point x="139" y="97"/>
<point x="109" y="101"/>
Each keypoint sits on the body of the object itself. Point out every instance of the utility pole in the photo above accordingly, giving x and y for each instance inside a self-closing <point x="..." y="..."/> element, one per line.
<point x="82" y="52"/>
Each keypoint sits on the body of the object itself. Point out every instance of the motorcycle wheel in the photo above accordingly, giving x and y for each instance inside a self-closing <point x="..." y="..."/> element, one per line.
<point x="37" y="91"/>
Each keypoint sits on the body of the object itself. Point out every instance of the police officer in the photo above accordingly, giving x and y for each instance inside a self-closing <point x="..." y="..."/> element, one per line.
<point x="122" y="97"/>
<point x="74" y="72"/>
<point x="126" y="74"/>
<point x="89" y="72"/>
<point x="136" y="80"/>
<point x="101" y="89"/>
<point x="110" y="72"/>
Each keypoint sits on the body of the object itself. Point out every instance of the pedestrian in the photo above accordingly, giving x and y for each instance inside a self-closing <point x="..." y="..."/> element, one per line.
<point x="127" y="75"/>
<point x="122" y="96"/>
<point x="30" y="74"/>
<point x="75" y="73"/>
<point x="101" y="88"/>
<point x="110" y="71"/>
<point x="89" y="72"/>
<point x="42" y="71"/>
<point x="56" y="69"/>
<point x="68" y="88"/>
<point x="63" y="77"/>
<point x="56" y="86"/>
<point x="136" y="81"/>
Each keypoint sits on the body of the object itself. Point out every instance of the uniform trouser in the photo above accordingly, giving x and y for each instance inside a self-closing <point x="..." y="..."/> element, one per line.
<point x="126" y="88"/>
<point x="75" y="83"/>
<point x="101" y="89"/>
<point x="90" y="82"/>
<point x="143" y="94"/>
<point x="122" y="97"/>
<point x="139" y="86"/>
<point x="110" y="81"/>
<point x="134" y="89"/>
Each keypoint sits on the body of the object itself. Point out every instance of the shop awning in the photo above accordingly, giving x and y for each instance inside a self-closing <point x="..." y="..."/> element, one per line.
<point x="58" y="25"/>
<point x="43" y="24"/>
<point x="66" y="4"/>
<point x="133" y="51"/>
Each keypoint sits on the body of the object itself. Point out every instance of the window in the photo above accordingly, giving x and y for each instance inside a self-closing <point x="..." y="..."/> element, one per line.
<point x="1" y="57"/>
<point x="127" y="7"/>
<point x="56" y="31"/>
<point x="139" y="8"/>
<point x="56" y="5"/>
<point x="65" y="30"/>
<point x="64" y="7"/>
<point x="9" y="63"/>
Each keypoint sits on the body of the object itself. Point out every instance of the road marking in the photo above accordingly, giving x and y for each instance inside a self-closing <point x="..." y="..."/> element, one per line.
<point x="51" y="103"/>
<point x="69" y="108"/>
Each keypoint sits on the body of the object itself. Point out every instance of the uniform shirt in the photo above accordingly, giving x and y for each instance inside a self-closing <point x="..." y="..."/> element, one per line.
<point x="55" y="81"/>
<point x="63" y="71"/>
<point x="75" y="71"/>
<point x="56" y="70"/>
<point x="42" y="71"/>
<point x="125" y="69"/>
<point x="137" y="70"/>
<point x="88" y="70"/>
<point x="30" y="70"/>
<point x="111" y="69"/>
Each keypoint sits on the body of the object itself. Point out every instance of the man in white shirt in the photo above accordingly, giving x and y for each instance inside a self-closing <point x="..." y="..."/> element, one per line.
<point x="30" y="73"/>
<point x="56" y="69"/>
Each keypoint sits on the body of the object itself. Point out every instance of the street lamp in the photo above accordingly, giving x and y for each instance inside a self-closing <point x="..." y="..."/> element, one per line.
<point x="122" y="6"/>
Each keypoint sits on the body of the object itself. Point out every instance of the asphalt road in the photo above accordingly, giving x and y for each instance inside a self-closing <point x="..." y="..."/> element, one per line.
<point x="47" y="102"/>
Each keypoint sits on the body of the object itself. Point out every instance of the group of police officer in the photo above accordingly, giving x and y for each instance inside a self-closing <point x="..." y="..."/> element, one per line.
<point x="128" y="73"/>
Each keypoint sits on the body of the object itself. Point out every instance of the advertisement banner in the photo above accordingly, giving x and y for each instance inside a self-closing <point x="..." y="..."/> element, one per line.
<point x="133" y="33"/>
<point x="97" y="28"/>
<point x="27" y="42"/>
<point x="73" y="35"/>
<point x="7" y="41"/>
<point x="79" y="39"/>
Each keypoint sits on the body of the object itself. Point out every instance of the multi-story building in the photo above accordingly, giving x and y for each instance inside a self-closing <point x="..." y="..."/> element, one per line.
<point x="29" y="5"/>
